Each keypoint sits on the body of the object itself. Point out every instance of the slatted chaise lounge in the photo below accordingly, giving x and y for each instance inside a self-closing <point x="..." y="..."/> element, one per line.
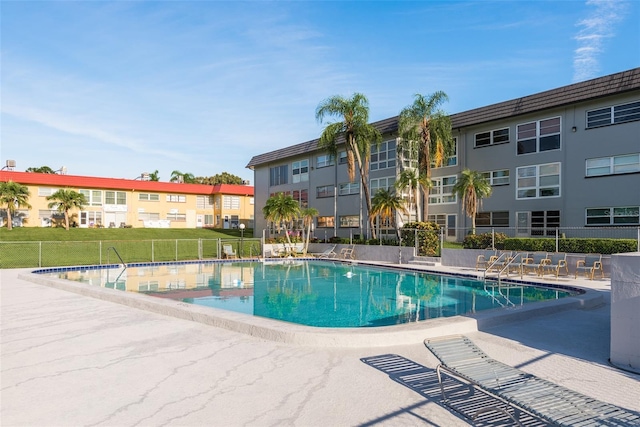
<point x="462" y="359"/>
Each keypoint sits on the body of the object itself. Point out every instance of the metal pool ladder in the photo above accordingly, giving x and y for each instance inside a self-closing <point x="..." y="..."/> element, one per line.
<point x="118" y="255"/>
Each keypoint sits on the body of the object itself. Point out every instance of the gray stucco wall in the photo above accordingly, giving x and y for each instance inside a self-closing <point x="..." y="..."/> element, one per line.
<point x="625" y="311"/>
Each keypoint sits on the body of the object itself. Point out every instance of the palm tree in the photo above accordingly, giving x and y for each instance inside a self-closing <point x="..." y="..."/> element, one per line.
<point x="307" y="215"/>
<point x="42" y="169"/>
<point x="409" y="179"/>
<point x="187" y="178"/>
<point x="64" y="200"/>
<point x="472" y="187"/>
<point x="426" y="133"/>
<point x="385" y="204"/>
<point x="358" y="136"/>
<point x="13" y="195"/>
<point x="281" y="210"/>
<point x="153" y="176"/>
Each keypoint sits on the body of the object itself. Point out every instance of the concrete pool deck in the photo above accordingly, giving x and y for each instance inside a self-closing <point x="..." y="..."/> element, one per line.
<point x="68" y="359"/>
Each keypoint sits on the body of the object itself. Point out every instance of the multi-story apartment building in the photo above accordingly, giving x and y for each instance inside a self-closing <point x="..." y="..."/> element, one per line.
<point x="567" y="157"/>
<point x="125" y="202"/>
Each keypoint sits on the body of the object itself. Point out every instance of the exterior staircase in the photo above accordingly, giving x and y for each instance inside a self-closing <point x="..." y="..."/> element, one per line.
<point x="429" y="261"/>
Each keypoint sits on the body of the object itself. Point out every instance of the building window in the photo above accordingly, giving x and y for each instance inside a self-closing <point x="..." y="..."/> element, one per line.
<point x="93" y="197"/>
<point x="613" y="115"/>
<point x="535" y="137"/>
<point x="627" y="215"/>
<point x="409" y="156"/>
<point x="324" y="160"/>
<point x="493" y="137"/>
<point x="230" y="202"/>
<point x="614" y="165"/>
<point x="149" y="197"/>
<point x="492" y="219"/>
<point x="324" y="191"/>
<point x="442" y="190"/>
<point x="302" y="197"/>
<point x="252" y="201"/>
<point x="278" y="175"/>
<point x="204" y="202"/>
<point x="176" y="198"/>
<point x="115" y="198"/>
<point x="349" y="221"/>
<point x="342" y="158"/>
<point x="538" y="181"/>
<point x="496" y="178"/>
<point x="326" y="222"/>
<point x="178" y="217"/>
<point x="148" y="216"/>
<point x="300" y="171"/>
<point x="381" y="184"/>
<point x="349" y="188"/>
<point x="383" y="155"/>
<point x="208" y="220"/>
<point x="544" y="222"/>
<point x="47" y="191"/>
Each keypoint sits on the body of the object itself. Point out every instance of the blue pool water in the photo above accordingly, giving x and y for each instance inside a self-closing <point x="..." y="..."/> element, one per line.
<point x="315" y="293"/>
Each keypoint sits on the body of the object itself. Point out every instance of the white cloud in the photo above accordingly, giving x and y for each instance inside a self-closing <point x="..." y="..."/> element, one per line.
<point x="594" y="30"/>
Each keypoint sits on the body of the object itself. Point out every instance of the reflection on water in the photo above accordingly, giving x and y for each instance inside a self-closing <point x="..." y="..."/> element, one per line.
<point x="316" y="293"/>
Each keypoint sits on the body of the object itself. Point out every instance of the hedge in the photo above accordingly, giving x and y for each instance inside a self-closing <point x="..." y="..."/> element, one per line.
<point x="543" y="244"/>
<point x="428" y="237"/>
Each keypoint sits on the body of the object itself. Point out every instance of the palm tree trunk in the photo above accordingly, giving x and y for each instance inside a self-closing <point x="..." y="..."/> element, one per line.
<point x="365" y="189"/>
<point x="9" y="221"/>
<point x="66" y="220"/>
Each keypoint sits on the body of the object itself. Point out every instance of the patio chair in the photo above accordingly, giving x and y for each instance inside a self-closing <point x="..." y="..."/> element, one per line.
<point x="533" y="262"/>
<point x="485" y="259"/>
<point x="228" y="252"/>
<point x="348" y="252"/>
<point x="460" y="358"/>
<point x="328" y="253"/>
<point x="515" y="263"/>
<point x="589" y="265"/>
<point x="500" y="262"/>
<point x="554" y="263"/>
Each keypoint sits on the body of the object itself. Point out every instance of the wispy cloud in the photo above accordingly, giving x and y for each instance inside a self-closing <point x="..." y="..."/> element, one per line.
<point x="594" y="30"/>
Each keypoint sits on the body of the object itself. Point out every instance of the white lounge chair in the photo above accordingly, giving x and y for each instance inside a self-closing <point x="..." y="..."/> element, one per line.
<point x="554" y="404"/>
<point x="228" y="252"/>
<point x="328" y="253"/>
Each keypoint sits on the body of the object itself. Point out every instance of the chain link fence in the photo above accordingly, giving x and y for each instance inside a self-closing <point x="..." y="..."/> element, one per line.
<point x="56" y="253"/>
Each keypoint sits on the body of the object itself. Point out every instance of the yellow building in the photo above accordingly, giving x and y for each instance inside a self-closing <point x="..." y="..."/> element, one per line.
<point x="131" y="203"/>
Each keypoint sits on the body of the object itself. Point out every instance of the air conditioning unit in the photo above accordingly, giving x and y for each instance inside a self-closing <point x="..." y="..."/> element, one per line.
<point x="246" y="182"/>
<point x="11" y="164"/>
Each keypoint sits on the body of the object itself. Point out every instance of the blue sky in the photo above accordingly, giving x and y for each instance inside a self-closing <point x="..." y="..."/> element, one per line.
<point x="115" y="89"/>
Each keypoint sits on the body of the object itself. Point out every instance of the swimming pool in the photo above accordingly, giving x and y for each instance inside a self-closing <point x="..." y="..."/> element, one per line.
<point x="315" y="293"/>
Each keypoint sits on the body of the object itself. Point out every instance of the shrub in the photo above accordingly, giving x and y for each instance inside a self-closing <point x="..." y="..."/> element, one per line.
<point x="428" y="237"/>
<point x="484" y="240"/>
<point x="572" y="245"/>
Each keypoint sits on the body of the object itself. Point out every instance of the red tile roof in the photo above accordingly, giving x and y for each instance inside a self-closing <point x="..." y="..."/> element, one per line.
<point x="80" y="182"/>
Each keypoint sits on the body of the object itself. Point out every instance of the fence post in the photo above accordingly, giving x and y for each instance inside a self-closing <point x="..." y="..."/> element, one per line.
<point x="200" y="249"/>
<point x="415" y="242"/>
<point x="493" y="238"/>
<point x="557" y="234"/>
<point x="153" y="251"/>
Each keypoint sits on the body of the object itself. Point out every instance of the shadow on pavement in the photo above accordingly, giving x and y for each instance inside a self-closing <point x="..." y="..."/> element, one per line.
<point x="463" y="399"/>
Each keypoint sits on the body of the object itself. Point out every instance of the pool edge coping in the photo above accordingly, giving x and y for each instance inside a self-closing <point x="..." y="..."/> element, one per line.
<point x="288" y="333"/>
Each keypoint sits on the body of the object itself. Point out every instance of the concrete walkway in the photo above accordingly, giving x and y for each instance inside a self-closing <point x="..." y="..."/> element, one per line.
<point x="71" y="360"/>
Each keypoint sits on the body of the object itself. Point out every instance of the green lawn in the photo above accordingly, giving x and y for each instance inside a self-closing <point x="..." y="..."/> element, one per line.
<point x="46" y="247"/>
<point x="36" y="234"/>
